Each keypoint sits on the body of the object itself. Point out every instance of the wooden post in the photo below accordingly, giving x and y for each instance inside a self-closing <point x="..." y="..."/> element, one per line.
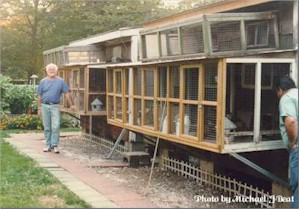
<point x="91" y="126"/>
<point x="164" y="152"/>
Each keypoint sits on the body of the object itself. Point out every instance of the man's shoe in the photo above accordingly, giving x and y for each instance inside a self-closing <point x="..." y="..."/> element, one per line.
<point x="47" y="149"/>
<point x="56" y="150"/>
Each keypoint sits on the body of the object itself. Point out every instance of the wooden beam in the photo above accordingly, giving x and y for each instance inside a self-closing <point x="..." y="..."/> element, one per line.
<point x="222" y="93"/>
<point x="188" y="140"/>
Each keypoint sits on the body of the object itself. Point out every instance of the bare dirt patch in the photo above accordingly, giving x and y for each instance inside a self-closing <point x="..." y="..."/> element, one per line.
<point x="166" y="189"/>
<point x="52" y="201"/>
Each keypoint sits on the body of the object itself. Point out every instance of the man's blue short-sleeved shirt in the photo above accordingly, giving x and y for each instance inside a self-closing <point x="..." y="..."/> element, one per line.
<point x="51" y="90"/>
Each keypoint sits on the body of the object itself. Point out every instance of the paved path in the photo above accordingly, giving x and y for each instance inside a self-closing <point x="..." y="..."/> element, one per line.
<point x="94" y="188"/>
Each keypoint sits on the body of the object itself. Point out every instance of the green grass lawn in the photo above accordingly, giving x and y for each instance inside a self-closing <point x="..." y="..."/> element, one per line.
<point x="25" y="185"/>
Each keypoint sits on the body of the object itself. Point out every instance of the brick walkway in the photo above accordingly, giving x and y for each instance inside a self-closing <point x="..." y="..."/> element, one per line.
<point x="95" y="189"/>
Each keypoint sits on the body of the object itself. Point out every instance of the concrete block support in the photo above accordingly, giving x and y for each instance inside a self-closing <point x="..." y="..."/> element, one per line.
<point x="282" y="195"/>
<point x="207" y="165"/>
<point x="136" y="159"/>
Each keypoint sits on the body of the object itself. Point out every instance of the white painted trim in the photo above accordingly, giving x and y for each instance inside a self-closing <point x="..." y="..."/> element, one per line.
<point x="258" y="88"/>
<point x="253" y="146"/>
<point x="261" y="60"/>
<point x="293" y="70"/>
<point x="134" y="48"/>
<point x="257" y="103"/>
<point x="120" y="65"/>
<point x="106" y="37"/>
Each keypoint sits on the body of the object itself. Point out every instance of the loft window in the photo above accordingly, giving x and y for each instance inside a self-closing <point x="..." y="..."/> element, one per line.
<point x="150" y="46"/>
<point x="192" y="39"/>
<point x="248" y="77"/>
<point x="169" y="42"/>
<point x="257" y="34"/>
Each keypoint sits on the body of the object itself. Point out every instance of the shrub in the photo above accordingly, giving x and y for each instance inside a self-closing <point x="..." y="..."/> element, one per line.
<point x="4" y="86"/>
<point x="66" y="121"/>
<point x="17" y="99"/>
<point x="33" y="122"/>
<point x="28" y="122"/>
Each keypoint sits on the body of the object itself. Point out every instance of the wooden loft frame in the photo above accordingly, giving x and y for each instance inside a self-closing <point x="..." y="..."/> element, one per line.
<point x="205" y="22"/>
<point x="78" y="80"/>
<point x="258" y="89"/>
<point x="163" y="96"/>
<point x="130" y="103"/>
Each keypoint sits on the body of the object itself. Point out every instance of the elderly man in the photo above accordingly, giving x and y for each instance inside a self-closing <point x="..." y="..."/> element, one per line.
<point x="288" y="123"/>
<point x="49" y="91"/>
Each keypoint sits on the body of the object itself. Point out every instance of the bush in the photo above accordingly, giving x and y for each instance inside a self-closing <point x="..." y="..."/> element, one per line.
<point x="33" y="122"/>
<point x="4" y="86"/>
<point x="28" y="122"/>
<point x="66" y="121"/>
<point x="17" y="99"/>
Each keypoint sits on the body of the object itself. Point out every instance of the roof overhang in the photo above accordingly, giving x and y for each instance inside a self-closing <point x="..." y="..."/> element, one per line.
<point x="168" y="61"/>
<point x="104" y="37"/>
<point x="223" y="6"/>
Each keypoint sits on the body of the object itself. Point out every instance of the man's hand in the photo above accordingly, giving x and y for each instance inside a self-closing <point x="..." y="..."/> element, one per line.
<point x="291" y="129"/>
<point x="39" y="112"/>
<point x="73" y="108"/>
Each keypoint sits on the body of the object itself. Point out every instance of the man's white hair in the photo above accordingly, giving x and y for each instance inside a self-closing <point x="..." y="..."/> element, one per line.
<point x="51" y="66"/>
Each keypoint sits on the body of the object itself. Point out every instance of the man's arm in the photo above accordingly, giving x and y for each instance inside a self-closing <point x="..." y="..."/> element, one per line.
<point x="68" y="97"/>
<point x="39" y="104"/>
<point x="290" y="124"/>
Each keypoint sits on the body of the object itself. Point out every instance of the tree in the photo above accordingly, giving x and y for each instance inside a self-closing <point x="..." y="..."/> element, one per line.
<point x="79" y="19"/>
<point x="23" y="29"/>
<point x="28" y="27"/>
<point x="190" y="4"/>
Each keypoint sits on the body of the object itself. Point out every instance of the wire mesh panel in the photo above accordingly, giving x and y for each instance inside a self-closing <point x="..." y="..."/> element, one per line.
<point x="248" y="75"/>
<point x="174" y="118"/>
<point x="75" y="83"/>
<point x="137" y="111"/>
<point x="137" y="81"/>
<point x="162" y="117"/>
<point x="211" y="76"/>
<point x="82" y="77"/>
<point x="119" y="108"/>
<point x="150" y="46"/>
<point x="190" y="120"/>
<point x="149" y="113"/>
<point x="241" y="97"/>
<point x="259" y="34"/>
<point x="118" y="80"/>
<point x="226" y="36"/>
<point x="271" y="73"/>
<point x="68" y="78"/>
<point x="174" y="82"/>
<point x="127" y="108"/>
<point x="192" y="39"/>
<point x="149" y="82"/>
<point x="191" y="83"/>
<point x="162" y="74"/>
<point x="97" y="80"/>
<point x="111" y="107"/>
<point x="81" y="100"/>
<point x="127" y="82"/>
<point x="75" y="98"/>
<point x="110" y="82"/>
<point x="169" y="42"/>
<point x="210" y="122"/>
